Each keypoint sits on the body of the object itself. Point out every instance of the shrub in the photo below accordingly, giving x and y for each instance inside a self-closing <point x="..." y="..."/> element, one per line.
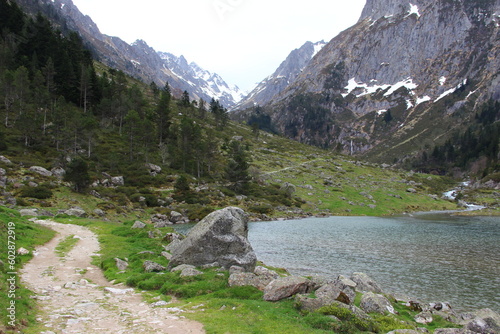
<point x="39" y="192"/>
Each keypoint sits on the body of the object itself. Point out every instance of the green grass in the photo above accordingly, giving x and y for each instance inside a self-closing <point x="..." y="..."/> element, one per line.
<point x="66" y="245"/>
<point x="27" y="235"/>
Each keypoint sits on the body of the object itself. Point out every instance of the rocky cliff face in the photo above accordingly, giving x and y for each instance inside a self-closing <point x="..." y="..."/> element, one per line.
<point x="404" y="76"/>
<point x="286" y="73"/>
<point x="139" y="59"/>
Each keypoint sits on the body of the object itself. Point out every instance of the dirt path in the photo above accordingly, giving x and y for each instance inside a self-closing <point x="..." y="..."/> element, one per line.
<point x="76" y="297"/>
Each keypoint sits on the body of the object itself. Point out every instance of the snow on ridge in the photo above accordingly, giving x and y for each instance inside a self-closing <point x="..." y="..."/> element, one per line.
<point x="413" y="10"/>
<point x="352" y="85"/>
<point x="452" y="90"/>
<point x="317" y="48"/>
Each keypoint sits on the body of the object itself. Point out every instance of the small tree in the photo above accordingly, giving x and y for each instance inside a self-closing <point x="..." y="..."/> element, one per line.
<point x="237" y="167"/>
<point x="77" y="173"/>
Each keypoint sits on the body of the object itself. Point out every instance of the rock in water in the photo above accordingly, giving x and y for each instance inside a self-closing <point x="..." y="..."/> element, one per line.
<point x="220" y="239"/>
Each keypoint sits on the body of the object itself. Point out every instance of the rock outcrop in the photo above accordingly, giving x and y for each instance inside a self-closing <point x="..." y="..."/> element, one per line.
<point x="220" y="239"/>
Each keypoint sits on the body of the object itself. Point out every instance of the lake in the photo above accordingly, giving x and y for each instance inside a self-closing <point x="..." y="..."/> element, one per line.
<point x="433" y="257"/>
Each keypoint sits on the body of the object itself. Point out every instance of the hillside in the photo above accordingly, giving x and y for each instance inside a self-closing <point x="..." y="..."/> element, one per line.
<point x="138" y="59"/>
<point x="390" y="87"/>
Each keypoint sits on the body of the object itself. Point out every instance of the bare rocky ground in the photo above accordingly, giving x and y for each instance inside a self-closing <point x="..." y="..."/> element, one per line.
<point x="75" y="297"/>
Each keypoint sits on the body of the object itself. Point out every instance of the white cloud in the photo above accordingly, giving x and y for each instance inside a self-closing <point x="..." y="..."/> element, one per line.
<point x="242" y="40"/>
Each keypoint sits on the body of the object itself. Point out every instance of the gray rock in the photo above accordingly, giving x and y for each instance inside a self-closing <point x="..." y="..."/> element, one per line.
<point x="58" y="172"/>
<point x="77" y="212"/>
<point x="40" y="170"/>
<point x="411" y="190"/>
<point x="453" y="331"/>
<point x="153" y="169"/>
<point x="486" y="321"/>
<point x="221" y="237"/>
<point x="259" y="279"/>
<point x="118" y="181"/>
<point x="160" y="303"/>
<point x="23" y="251"/>
<point x="99" y="213"/>
<point x="424" y="318"/>
<point x="173" y="245"/>
<point x="166" y="255"/>
<point x="138" y="224"/>
<point x="365" y="283"/>
<point x="285" y="287"/>
<point x="29" y="212"/>
<point x="176" y="217"/>
<point x="405" y="331"/>
<point x="375" y="303"/>
<point x="170" y="237"/>
<point x="162" y="224"/>
<point x="150" y="266"/>
<point x="188" y="272"/>
<point x="160" y="219"/>
<point x="5" y="160"/>
<point x="120" y="264"/>
<point x="182" y="267"/>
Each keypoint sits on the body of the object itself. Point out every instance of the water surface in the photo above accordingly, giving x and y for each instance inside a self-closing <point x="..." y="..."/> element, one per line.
<point x="431" y="257"/>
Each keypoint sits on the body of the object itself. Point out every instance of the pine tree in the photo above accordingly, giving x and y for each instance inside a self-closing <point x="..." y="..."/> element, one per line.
<point x="237" y="167"/>
<point x="77" y="173"/>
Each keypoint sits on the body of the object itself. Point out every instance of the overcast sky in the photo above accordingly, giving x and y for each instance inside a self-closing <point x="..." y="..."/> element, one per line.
<point x="242" y="40"/>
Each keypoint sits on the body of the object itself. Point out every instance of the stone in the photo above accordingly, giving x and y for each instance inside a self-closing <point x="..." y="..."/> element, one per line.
<point x="138" y="224"/>
<point x="29" y="212"/>
<point x="364" y="283"/>
<point x="171" y="237"/>
<point x="99" y="213"/>
<point x="258" y="279"/>
<point x="23" y="251"/>
<point x="182" y="267"/>
<point x="160" y="303"/>
<point x="58" y="172"/>
<point x="404" y="331"/>
<point x="159" y="218"/>
<point x="120" y="264"/>
<point x="424" y="318"/>
<point x="285" y="287"/>
<point x="5" y="160"/>
<point x="40" y="170"/>
<point x="116" y="291"/>
<point x="221" y="238"/>
<point x="453" y="331"/>
<point x="188" y="272"/>
<point x="176" y="217"/>
<point x="375" y="303"/>
<point x="486" y="321"/>
<point x="150" y="266"/>
<point x="411" y="190"/>
<point x="118" y="181"/>
<point x="77" y="212"/>
<point x="153" y="169"/>
<point x="166" y="255"/>
<point x="162" y="224"/>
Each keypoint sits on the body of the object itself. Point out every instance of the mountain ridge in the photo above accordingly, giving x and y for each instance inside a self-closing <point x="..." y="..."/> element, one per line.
<point x="390" y="85"/>
<point x="140" y="60"/>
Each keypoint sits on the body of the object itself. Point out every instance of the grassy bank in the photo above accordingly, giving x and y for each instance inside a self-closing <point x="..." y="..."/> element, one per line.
<point x="208" y="298"/>
<point x="25" y="234"/>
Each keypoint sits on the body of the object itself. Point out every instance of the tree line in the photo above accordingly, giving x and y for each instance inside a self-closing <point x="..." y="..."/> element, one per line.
<point x="57" y="100"/>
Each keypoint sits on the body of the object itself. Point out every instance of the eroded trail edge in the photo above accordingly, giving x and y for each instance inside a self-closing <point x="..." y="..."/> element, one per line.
<point x="75" y="297"/>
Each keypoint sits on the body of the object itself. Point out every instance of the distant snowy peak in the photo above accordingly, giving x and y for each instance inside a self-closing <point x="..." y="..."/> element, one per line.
<point x="207" y="85"/>
<point x="286" y="73"/>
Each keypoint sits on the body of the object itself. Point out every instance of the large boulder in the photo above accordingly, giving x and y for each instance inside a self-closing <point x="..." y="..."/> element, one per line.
<point x="486" y="321"/>
<point x="375" y="303"/>
<point x="153" y="169"/>
<point x="220" y="239"/>
<point x="260" y="278"/>
<point x="365" y="283"/>
<point x="285" y="287"/>
<point x="40" y="170"/>
<point x="77" y="212"/>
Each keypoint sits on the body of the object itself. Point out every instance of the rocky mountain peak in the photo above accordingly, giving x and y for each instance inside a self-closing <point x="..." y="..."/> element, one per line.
<point x="286" y="73"/>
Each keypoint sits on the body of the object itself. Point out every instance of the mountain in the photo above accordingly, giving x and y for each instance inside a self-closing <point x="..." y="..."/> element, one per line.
<point x="282" y="77"/>
<point x="139" y="59"/>
<point x="405" y="77"/>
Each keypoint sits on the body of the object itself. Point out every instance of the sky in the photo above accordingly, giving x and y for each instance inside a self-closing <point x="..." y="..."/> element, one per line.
<point x="243" y="41"/>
